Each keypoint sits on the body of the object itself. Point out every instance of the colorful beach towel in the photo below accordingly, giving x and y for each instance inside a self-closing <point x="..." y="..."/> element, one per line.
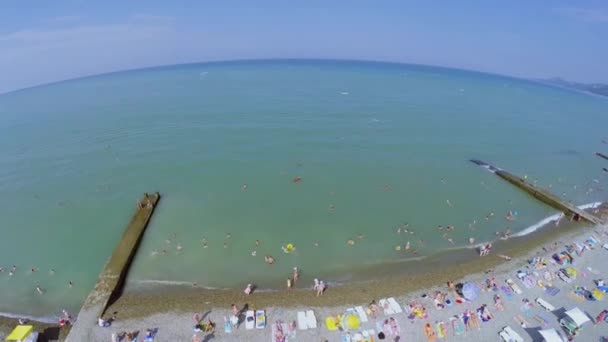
<point x="429" y="332"/>
<point x="457" y="325"/>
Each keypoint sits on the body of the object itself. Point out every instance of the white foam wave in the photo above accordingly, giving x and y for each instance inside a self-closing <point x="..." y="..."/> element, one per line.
<point x="531" y="229"/>
<point x="43" y="319"/>
<point x="174" y="283"/>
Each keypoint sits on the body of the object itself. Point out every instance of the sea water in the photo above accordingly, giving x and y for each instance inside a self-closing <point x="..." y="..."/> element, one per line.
<point x="375" y="147"/>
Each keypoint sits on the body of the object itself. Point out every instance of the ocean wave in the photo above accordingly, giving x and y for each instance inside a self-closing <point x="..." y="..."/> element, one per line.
<point x="555" y="217"/>
<point x="42" y="319"/>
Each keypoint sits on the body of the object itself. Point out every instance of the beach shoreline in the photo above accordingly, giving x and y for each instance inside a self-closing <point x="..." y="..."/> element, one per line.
<point x="184" y="300"/>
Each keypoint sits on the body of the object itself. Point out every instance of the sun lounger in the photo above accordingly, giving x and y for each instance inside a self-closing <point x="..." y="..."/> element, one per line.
<point x="386" y="307"/>
<point x="361" y="313"/>
<point x="260" y="319"/>
<point x="544" y="304"/>
<point x="514" y="286"/>
<point x="249" y="320"/>
<point x="311" y="319"/>
<point x="504" y="336"/>
<point x="394" y="305"/>
<point x="515" y="337"/>
<point x="302" y="322"/>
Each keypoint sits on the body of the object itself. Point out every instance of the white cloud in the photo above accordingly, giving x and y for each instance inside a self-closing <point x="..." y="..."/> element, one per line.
<point x="585" y="14"/>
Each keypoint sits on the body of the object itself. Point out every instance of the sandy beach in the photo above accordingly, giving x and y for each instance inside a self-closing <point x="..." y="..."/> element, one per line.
<point x="172" y="313"/>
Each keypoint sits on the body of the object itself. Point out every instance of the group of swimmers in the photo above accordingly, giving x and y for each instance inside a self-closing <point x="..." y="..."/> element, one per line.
<point x="39" y="289"/>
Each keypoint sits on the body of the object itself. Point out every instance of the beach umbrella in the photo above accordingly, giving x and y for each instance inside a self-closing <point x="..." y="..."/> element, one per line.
<point x="470" y="291"/>
<point x="351" y="321"/>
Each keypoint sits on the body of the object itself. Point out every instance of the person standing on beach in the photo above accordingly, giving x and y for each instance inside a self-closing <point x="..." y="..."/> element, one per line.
<point x="296" y="274"/>
<point x="320" y="288"/>
<point x="289" y="284"/>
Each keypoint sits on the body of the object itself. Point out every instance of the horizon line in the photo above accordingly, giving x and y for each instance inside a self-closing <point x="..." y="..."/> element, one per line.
<point x="277" y="59"/>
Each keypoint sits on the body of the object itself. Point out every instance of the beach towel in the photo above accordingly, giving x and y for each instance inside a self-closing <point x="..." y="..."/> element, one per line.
<point x="551" y="290"/>
<point x="361" y="313"/>
<point x="227" y="325"/>
<point x="440" y="330"/>
<point x="278" y="332"/>
<point x="345" y="338"/>
<point x="249" y="319"/>
<point x="311" y="319"/>
<point x="507" y="291"/>
<point x="429" y="332"/>
<point x="260" y="319"/>
<point x="302" y="322"/>
<point x="394" y="305"/>
<point x="457" y="325"/>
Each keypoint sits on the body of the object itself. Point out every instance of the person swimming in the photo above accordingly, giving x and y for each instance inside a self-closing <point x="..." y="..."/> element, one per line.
<point x="269" y="259"/>
<point x="350" y="242"/>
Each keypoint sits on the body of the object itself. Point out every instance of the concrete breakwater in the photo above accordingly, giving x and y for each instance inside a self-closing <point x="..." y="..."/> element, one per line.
<point x="111" y="279"/>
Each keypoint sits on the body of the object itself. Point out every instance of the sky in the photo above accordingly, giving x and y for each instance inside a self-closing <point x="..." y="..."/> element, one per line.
<point x="48" y="41"/>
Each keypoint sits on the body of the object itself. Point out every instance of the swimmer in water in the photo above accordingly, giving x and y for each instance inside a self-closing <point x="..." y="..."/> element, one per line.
<point x="332" y="209"/>
<point x="205" y="245"/>
<point x="70" y="284"/>
<point x="179" y="247"/>
<point x="399" y="230"/>
<point x="451" y="241"/>
<point x="449" y="203"/>
<point x="471" y="240"/>
<point x="360" y="236"/>
<point x="228" y="236"/>
<point x="316" y="244"/>
<point x="154" y="252"/>
<point x="254" y="253"/>
<point x="225" y="244"/>
<point x="350" y="242"/>
<point x="269" y="259"/>
<point x="257" y="243"/>
<point x="39" y="289"/>
<point x="407" y="246"/>
<point x="244" y="187"/>
<point x="398" y="248"/>
<point x="440" y="228"/>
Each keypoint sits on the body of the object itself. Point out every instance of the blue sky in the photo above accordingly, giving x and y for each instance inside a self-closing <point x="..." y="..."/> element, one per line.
<point x="46" y="41"/>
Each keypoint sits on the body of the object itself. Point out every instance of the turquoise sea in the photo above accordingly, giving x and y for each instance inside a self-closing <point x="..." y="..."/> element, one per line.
<point x="375" y="145"/>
